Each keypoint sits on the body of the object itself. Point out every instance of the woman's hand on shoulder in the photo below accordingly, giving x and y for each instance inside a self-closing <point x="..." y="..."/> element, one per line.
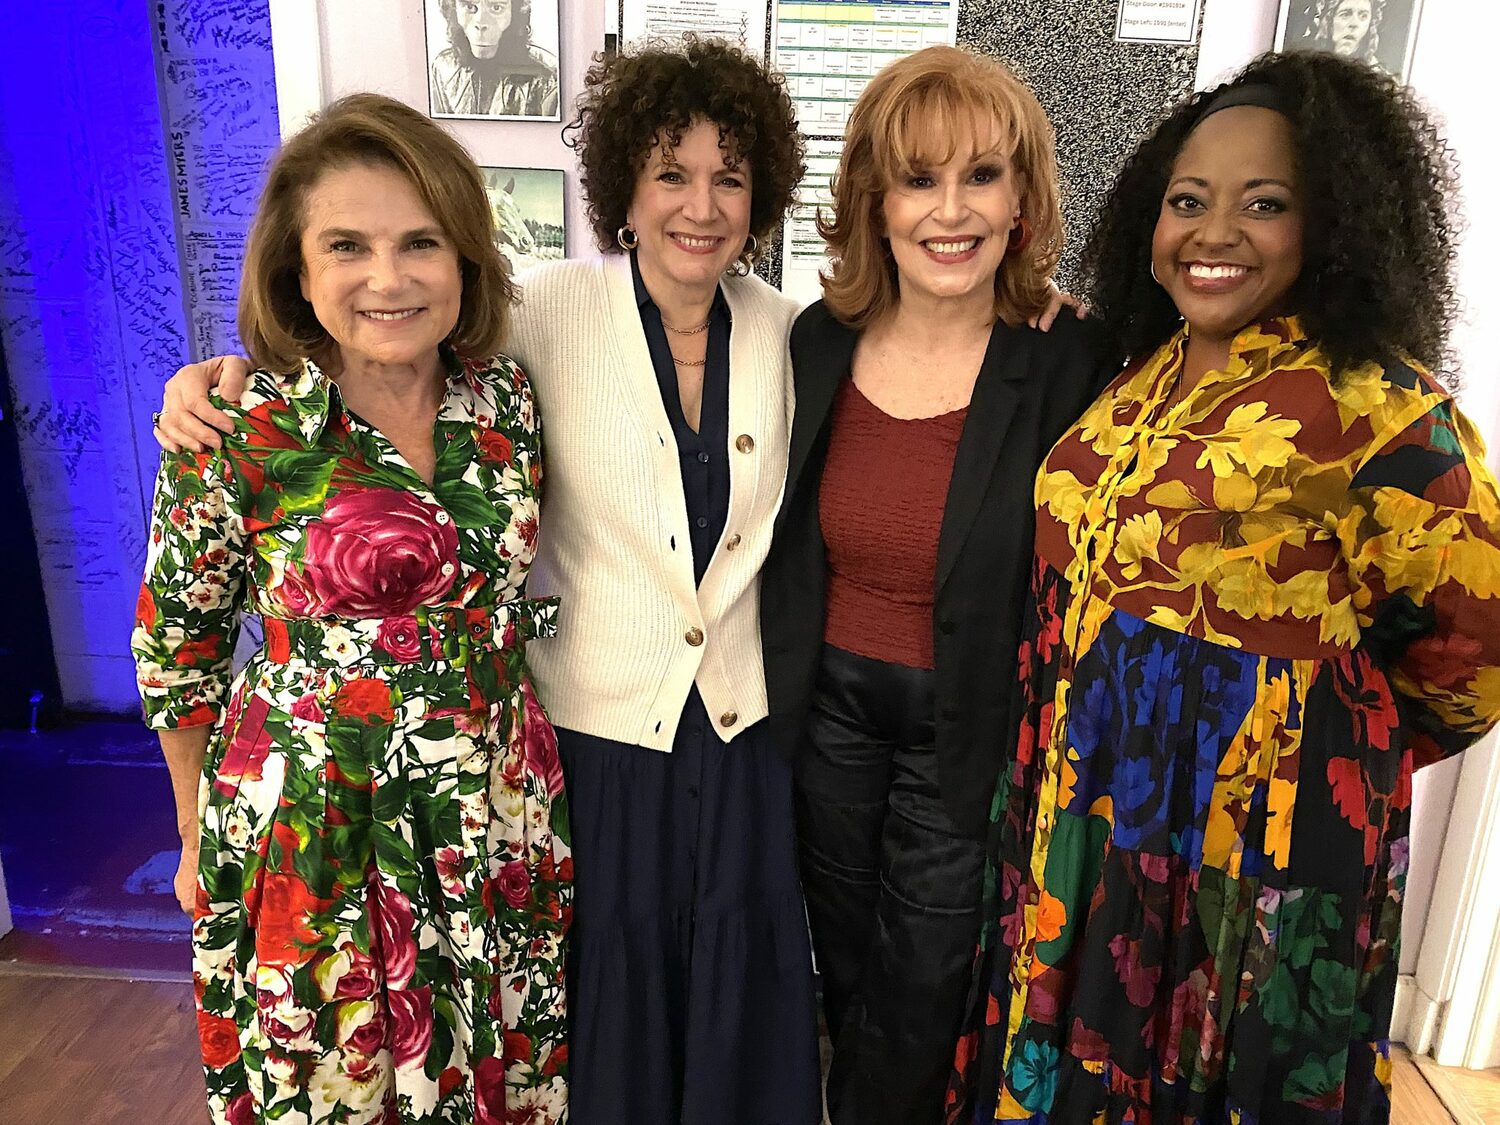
<point x="1057" y="300"/>
<point x="188" y="420"/>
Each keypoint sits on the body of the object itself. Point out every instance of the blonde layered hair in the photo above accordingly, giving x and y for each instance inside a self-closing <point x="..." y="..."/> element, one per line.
<point x="276" y="323"/>
<point x="913" y="115"/>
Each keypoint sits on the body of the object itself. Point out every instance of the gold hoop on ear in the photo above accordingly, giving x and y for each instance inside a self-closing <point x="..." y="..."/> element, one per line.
<point x="746" y="261"/>
<point x="627" y="238"/>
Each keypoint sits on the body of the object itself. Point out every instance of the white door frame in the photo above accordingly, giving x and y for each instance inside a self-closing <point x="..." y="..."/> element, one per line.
<point x="297" y="48"/>
<point x="1453" y="1000"/>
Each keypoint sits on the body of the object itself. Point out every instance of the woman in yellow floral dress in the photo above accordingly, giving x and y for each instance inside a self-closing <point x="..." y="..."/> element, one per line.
<point x="1266" y="589"/>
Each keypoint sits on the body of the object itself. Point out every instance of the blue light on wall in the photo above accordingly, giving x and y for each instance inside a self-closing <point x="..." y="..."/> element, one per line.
<point x="132" y="139"/>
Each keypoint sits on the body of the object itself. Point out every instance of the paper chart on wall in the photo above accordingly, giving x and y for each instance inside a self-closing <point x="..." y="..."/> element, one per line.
<point x="830" y="49"/>
<point x="1157" y="21"/>
<point x="742" y="22"/>
<point x="803" y="251"/>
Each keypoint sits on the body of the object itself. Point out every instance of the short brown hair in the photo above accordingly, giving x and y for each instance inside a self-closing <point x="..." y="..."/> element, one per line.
<point x="277" y="324"/>
<point x="910" y="115"/>
<point x="631" y="98"/>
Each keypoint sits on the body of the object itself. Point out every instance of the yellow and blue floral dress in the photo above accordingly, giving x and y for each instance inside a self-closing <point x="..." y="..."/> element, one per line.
<point x="384" y="877"/>
<point x="1254" y="612"/>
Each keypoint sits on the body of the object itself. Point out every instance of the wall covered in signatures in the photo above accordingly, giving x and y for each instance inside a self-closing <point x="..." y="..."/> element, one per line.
<point x="132" y="138"/>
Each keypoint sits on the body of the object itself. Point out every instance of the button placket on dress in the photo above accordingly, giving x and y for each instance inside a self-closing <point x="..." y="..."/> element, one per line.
<point x="441" y="433"/>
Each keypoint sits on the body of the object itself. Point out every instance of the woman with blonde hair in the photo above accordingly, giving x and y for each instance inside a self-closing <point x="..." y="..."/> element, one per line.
<point x="892" y="596"/>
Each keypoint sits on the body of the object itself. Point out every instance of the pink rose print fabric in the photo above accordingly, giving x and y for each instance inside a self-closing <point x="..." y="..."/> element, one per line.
<point x="384" y="889"/>
<point x="375" y="553"/>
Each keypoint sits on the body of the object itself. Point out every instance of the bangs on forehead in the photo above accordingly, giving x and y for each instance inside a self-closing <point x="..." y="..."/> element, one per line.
<point x="940" y="118"/>
<point x="670" y="135"/>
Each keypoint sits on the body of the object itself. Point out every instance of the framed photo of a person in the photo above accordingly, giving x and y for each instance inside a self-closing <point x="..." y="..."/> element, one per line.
<point x="528" y="207"/>
<point x="492" y="59"/>
<point x="1381" y="32"/>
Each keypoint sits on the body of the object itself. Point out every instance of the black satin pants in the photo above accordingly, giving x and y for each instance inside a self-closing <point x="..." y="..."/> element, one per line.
<point x="893" y="891"/>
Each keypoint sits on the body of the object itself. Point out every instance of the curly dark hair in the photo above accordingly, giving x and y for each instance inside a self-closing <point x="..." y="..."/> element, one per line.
<point x="1379" y="195"/>
<point x="631" y="97"/>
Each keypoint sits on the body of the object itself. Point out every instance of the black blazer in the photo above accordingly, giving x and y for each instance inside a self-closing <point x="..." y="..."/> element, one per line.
<point x="1031" y="387"/>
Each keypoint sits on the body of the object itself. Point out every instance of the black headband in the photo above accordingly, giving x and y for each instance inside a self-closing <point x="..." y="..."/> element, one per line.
<point x="1258" y="94"/>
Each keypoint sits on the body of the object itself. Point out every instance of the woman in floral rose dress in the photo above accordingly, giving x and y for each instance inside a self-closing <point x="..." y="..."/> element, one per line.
<point x="376" y="858"/>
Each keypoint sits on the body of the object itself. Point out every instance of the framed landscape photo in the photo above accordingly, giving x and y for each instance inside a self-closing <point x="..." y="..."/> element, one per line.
<point x="492" y="59"/>
<point x="1382" y="33"/>
<point x="528" y="207"/>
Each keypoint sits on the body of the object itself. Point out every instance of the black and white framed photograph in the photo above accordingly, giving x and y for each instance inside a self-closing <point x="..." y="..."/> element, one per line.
<point x="1380" y="32"/>
<point x="528" y="207"/>
<point x="492" y="59"/>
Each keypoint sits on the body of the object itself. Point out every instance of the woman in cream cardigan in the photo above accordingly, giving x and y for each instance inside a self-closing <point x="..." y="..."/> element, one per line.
<point x="663" y="384"/>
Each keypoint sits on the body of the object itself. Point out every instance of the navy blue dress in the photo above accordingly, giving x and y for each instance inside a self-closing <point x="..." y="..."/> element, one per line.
<point x="690" y="974"/>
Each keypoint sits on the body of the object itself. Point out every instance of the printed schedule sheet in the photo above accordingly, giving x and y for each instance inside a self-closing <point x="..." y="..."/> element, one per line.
<point x="830" y="49"/>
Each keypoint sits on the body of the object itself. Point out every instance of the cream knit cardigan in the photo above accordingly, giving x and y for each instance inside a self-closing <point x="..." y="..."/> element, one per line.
<point x="634" y="633"/>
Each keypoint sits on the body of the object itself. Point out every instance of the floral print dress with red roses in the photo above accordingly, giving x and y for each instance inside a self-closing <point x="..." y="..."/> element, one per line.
<point x="1256" y="608"/>
<point x="384" y="881"/>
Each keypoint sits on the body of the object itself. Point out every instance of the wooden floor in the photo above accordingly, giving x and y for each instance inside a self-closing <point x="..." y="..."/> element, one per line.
<point x="105" y="1052"/>
<point x="1428" y="1094"/>
<point x="118" y="1052"/>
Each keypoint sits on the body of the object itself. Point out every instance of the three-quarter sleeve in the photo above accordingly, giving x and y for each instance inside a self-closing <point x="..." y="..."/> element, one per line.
<point x="1422" y="537"/>
<point x="187" y="615"/>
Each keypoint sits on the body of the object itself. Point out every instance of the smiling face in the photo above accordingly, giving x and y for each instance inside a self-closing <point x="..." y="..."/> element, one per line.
<point x="484" y="22"/>
<point x="948" y="224"/>
<point x="1228" y="241"/>
<point x="378" y="269"/>
<point x="691" y="210"/>
<point x="1350" y="26"/>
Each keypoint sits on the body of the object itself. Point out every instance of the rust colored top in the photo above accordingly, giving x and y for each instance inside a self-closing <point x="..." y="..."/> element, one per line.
<point x="880" y="505"/>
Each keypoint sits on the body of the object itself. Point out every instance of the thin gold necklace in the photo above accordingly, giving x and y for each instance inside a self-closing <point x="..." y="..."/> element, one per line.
<point x="689" y="362"/>
<point x="685" y="331"/>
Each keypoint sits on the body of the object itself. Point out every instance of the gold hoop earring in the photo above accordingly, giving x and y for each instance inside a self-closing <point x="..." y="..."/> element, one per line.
<point x="627" y="238"/>
<point x="746" y="261"/>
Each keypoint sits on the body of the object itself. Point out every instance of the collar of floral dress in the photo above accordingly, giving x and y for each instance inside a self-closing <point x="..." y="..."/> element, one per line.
<point x="1255" y="349"/>
<point x="1276" y="329"/>
<point x="1263" y="337"/>
<point x="314" y="396"/>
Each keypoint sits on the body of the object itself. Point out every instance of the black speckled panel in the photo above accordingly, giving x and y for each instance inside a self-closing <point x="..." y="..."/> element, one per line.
<point x="1102" y="96"/>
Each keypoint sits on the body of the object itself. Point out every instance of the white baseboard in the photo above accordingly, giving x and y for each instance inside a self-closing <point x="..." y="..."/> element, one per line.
<point x="1415" y="1016"/>
<point x="5" y="920"/>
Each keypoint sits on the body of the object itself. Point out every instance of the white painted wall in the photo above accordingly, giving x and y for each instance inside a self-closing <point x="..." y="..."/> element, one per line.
<point x="1234" y="32"/>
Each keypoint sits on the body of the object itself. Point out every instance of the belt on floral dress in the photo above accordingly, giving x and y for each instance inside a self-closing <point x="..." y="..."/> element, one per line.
<point x="447" y="635"/>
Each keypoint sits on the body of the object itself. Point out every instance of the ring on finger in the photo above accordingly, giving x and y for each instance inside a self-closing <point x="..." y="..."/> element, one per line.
<point x="156" y="418"/>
